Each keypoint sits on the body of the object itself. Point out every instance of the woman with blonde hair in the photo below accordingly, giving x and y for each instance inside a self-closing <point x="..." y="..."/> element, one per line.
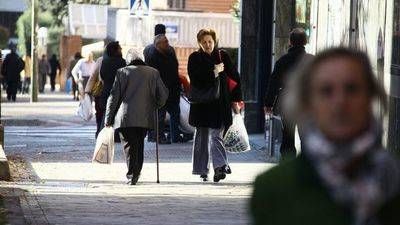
<point x="210" y="68"/>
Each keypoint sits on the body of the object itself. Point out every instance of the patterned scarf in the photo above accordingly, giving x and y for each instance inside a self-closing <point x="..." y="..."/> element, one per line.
<point x="360" y="175"/>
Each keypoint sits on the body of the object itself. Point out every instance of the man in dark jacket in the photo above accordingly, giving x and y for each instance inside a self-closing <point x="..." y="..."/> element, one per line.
<point x="54" y="66"/>
<point x="158" y="29"/>
<point x="11" y="69"/>
<point x="165" y="61"/>
<point x="276" y="84"/>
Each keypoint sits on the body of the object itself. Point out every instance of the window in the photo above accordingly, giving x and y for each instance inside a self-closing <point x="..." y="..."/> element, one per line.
<point x="176" y="4"/>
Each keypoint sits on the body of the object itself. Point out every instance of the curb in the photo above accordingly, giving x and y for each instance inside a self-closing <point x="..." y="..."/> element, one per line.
<point x="4" y="168"/>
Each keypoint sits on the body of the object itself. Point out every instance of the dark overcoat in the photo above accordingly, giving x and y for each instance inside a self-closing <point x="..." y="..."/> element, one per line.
<point x="293" y="193"/>
<point x="108" y="70"/>
<point x="201" y="73"/>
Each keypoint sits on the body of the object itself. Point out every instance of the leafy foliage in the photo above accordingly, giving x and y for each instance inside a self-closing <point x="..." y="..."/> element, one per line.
<point x="235" y="9"/>
<point x="51" y="15"/>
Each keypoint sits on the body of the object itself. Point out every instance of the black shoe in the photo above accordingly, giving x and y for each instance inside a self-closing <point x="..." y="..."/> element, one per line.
<point x="204" y="177"/>
<point x="227" y="169"/>
<point x="134" y="180"/>
<point x="219" y="174"/>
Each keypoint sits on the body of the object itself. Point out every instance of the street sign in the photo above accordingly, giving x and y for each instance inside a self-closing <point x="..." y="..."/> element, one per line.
<point x="171" y="31"/>
<point x="139" y="7"/>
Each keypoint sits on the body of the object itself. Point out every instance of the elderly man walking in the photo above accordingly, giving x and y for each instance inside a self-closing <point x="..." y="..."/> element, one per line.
<point x="135" y="85"/>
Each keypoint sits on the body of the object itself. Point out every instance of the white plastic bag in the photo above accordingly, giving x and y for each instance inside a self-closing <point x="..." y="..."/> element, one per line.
<point x="236" y="138"/>
<point x="85" y="109"/>
<point x="104" y="149"/>
<point x="184" y="116"/>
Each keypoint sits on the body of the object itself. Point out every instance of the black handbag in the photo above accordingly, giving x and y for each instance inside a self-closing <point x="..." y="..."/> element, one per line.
<point x="204" y="95"/>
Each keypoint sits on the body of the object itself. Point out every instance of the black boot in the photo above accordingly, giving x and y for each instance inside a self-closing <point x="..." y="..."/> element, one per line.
<point x="204" y="177"/>
<point x="219" y="174"/>
<point x="227" y="169"/>
<point x="134" y="180"/>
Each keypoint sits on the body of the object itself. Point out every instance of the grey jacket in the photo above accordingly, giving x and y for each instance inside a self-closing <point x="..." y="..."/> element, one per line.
<point x="136" y="93"/>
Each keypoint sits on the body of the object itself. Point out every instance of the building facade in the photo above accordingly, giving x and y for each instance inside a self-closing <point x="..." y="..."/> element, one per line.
<point x="183" y="18"/>
<point x="372" y="26"/>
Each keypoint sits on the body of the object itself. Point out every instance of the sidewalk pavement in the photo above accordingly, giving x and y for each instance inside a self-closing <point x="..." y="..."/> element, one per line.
<point x="51" y="165"/>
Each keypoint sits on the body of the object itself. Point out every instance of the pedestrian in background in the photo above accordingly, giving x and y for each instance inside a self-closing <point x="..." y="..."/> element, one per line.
<point x="165" y="61"/>
<point x="112" y="61"/>
<point x="72" y="63"/>
<point x="277" y="86"/>
<point x="27" y="71"/>
<point x="11" y="69"/>
<point x="88" y="89"/>
<point x="44" y="69"/>
<point x="135" y="95"/>
<point x="82" y="71"/>
<point x="204" y="67"/>
<point x="147" y="51"/>
<point x="343" y="175"/>
<point x="55" y="68"/>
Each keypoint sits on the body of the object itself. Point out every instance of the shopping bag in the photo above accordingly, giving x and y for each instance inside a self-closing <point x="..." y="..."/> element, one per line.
<point x="273" y="135"/>
<point x="104" y="149"/>
<point x="236" y="138"/>
<point x="184" y="106"/>
<point x="85" y="109"/>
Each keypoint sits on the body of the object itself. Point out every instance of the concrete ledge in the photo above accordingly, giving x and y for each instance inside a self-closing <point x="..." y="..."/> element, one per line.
<point x="4" y="168"/>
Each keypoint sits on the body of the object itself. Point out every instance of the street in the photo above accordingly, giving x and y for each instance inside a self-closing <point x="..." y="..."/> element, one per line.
<point x="51" y="148"/>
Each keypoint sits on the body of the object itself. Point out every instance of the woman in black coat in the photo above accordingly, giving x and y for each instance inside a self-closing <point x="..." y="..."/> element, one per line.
<point x="204" y="67"/>
<point x="112" y="61"/>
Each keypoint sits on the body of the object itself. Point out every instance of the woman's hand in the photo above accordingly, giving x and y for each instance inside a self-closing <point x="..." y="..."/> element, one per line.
<point x="237" y="106"/>
<point x="218" y="68"/>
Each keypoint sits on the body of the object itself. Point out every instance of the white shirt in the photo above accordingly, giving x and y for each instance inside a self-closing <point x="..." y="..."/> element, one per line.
<point x="83" y="68"/>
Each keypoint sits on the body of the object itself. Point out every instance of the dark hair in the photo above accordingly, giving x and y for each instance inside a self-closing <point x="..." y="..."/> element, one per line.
<point x="77" y="55"/>
<point x="205" y="31"/>
<point x="298" y="37"/>
<point x="159" y="29"/>
<point x="112" y="49"/>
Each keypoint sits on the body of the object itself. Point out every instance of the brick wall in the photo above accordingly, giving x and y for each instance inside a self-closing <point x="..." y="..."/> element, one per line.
<point x="69" y="45"/>
<point x="183" y="55"/>
<point x="216" y="6"/>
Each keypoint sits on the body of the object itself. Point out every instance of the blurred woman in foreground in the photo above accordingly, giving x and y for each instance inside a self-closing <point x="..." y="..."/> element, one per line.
<point x="343" y="175"/>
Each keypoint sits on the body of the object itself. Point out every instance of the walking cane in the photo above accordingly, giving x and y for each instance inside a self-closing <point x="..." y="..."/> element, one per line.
<point x="157" y="139"/>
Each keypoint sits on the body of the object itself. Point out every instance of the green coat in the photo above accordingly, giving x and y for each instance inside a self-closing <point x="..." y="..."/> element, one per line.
<point x="292" y="194"/>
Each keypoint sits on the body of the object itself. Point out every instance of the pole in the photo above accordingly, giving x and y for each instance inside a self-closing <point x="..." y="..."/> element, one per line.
<point x="157" y="154"/>
<point x="33" y="69"/>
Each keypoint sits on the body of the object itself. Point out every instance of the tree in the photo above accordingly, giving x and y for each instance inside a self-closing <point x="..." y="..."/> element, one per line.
<point x="51" y="15"/>
<point x="235" y="9"/>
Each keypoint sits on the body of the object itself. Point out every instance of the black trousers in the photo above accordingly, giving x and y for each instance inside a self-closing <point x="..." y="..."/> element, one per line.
<point x="132" y="139"/>
<point x="12" y="88"/>
<point x="53" y="81"/>
<point x="288" y="149"/>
